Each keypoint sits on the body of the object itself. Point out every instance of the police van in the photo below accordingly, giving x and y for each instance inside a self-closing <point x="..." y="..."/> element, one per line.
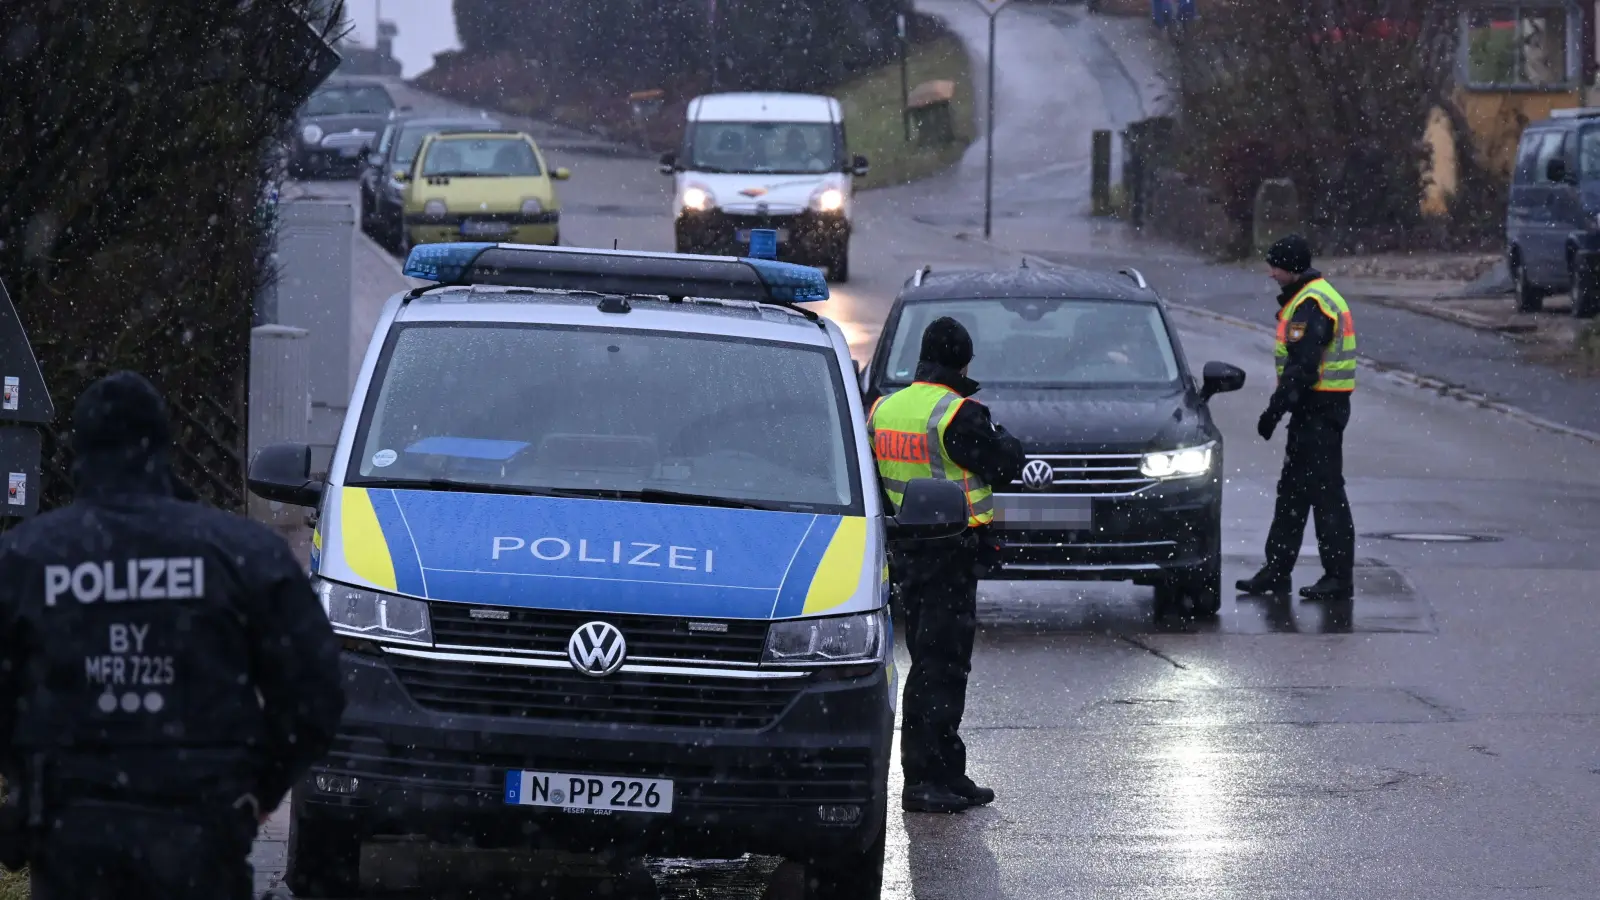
<point x="604" y="541"/>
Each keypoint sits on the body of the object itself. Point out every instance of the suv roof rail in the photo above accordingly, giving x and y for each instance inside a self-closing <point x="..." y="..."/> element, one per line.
<point x="1136" y="276"/>
<point x="917" y="276"/>
<point x="1578" y="112"/>
<point x="675" y="276"/>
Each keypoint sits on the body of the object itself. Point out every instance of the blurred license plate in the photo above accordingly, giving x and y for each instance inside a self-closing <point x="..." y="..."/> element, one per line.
<point x="472" y="227"/>
<point x="1043" y="512"/>
<point x="589" y="792"/>
<point x="743" y="235"/>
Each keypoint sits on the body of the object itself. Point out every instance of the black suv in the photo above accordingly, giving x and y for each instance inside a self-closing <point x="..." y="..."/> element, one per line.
<point x="1124" y="474"/>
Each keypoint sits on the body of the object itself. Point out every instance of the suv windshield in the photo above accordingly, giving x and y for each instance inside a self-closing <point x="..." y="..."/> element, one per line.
<point x="343" y="101"/>
<point x="496" y="157"/>
<point x="1047" y="343"/>
<point x="765" y="147"/>
<point x="623" y="414"/>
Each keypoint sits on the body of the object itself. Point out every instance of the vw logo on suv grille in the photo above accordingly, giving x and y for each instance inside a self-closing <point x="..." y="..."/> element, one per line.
<point x="597" y="649"/>
<point x="1038" y="475"/>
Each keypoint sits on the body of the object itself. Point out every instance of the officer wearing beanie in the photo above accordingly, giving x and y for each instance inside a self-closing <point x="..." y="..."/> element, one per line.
<point x="938" y="580"/>
<point x="166" y="674"/>
<point x="1316" y="363"/>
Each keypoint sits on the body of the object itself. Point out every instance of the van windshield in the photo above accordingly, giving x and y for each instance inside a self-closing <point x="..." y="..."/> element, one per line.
<point x="611" y="414"/>
<point x="784" y="148"/>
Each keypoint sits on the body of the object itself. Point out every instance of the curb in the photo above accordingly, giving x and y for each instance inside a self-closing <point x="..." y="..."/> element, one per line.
<point x="1421" y="382"/>
<point x="1520" y="333"/>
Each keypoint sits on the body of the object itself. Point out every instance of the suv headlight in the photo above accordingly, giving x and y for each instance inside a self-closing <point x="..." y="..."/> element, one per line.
<point x="434" y="208"/>
<point x="532" y="206"/>
<point x="840" y="639"/>
<point x="1186" y="462"/>
<point x="362" y="613"/>
<point x="311" y="134"/>
<point x="829" y="200"/>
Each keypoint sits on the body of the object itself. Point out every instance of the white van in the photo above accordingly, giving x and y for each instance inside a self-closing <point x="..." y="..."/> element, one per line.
<point x="765" y="161"/>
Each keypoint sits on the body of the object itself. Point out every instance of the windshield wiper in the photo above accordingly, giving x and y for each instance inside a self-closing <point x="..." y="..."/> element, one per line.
<point x="469" y="487"/>
<point x="656" y="495"/>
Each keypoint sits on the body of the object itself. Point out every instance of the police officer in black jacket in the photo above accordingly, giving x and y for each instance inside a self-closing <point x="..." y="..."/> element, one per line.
<point x="166" y="673"/>
<point x="1317" y="373"/>
<point x="937" y="586"/>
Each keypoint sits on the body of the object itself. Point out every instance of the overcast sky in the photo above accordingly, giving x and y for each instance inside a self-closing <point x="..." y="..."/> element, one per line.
<point x="426" y="27"/>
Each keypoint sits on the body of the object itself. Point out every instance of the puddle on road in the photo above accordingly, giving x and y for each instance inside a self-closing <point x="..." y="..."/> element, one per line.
<point x="1385" y="603"/>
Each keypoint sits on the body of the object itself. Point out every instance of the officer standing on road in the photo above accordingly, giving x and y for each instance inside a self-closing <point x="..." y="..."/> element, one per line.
<point x="166" y="674"/>
<point x="938" y="580"/>
<point x="1316" y="360"/>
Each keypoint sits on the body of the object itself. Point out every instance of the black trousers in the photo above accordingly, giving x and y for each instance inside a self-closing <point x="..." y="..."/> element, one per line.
<point x="100" y="851"/>
<point x="938" y="594"/>
<point x="1312" y="485"/>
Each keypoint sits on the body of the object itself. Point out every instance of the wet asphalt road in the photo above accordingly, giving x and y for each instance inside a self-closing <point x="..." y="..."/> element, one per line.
<point x="1439" y="739"/>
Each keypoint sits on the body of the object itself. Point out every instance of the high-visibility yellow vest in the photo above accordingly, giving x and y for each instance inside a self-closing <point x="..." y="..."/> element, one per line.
<point x="907" y="429"/>
<point x="1338" y="370"/>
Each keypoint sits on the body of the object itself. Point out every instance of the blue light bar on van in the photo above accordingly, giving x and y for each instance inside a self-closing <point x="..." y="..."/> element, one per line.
<point x="672" y="275"/>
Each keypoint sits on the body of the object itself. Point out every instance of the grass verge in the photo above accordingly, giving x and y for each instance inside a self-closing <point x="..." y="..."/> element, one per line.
<point x="872" y="114"/>
<point x="13" y="886"/>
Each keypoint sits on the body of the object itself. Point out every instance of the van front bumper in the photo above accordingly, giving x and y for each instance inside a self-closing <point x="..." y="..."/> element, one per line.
<point x="807" y="236"/>
<point x="812" y="779"/>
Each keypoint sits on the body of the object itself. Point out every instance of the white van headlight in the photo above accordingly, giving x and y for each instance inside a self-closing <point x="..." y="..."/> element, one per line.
<point x="362" y="613"/>
<point x="1187" y="462"/>
<point x="839" y="639"/>
<point x="830" y="200"/>
<point x="696" y="199"/>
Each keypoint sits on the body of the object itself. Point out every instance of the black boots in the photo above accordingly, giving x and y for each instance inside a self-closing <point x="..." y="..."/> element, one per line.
<point x="1329" y="589"/>
<point x="932" y="798"/>
<point x="1263" y="583"/>
<point x="975" y="795"/>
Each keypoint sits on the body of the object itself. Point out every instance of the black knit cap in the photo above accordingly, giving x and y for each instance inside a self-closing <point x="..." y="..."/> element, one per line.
<point x="1291" y="254"/>
<point x="946" y="343"/>
<point x="121" y="413"/>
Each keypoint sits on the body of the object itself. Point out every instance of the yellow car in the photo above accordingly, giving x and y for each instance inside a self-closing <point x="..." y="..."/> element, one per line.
<point x="481" y="186"/>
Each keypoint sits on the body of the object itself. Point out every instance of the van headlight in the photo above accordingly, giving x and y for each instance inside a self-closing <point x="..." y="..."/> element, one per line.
<point x="696" y="199"/>
<point x="362" y="613"/>
<point x="830" y="200"/>
<point x="1186" y="462"/>
<point x="311" y="134"/>
<point x="838" y="639"/>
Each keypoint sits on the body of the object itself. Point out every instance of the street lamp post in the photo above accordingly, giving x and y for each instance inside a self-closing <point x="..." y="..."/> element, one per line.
<point x="992" y="7"/>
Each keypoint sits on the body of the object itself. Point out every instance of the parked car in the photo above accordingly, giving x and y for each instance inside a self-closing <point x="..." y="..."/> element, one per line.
<point x="481" y="185"/>
<point x="384" y="178"/>
<point x="337" y="126"/>
<point x="1553" y="216"/>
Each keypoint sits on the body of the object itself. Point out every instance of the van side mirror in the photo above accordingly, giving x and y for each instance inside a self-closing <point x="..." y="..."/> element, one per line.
<point x="282" y="473"/>
<point x="669" y="164"/>
<point x="931" y="508"/>
<point x="1220" y="378"/>
<point x="859" y="167"/>
<point x="1556" y="170"/>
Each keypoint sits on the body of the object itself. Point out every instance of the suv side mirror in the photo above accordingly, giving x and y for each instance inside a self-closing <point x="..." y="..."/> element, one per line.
<point x="858" y="166"/>
<point x="375" y="159"/>
<point x="1556" y="170"/>
<point x="669" y="164"/>
<point x="931" y="508"/>
<point x="1220" y="378"/>
<point x="282" y="473"/>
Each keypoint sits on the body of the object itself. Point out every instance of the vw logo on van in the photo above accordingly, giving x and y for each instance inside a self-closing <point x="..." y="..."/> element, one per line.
<point x="597" y="649"/>
<point x="1038" y="475"/>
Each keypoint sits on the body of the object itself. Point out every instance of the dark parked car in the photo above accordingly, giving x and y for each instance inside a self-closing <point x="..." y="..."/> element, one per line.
<point x="337" y="125"/>
<point x="1553" y="217"/>
<point x="1124" y="474"/>
<point x="383" y="178"/>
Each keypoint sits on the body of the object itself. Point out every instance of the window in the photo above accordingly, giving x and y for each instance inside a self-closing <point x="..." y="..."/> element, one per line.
<point x="1552" y="146"/>
<point x="411" y="137"/>
<point x="1525" y="46"/>
<point x="602" y="412"/>
<point x="1046" y="343"/>
<point x="487" y="157"/>
<point x="345" y="101"/>
<point x="1589" y="154"/>
<point x="766" y="147"/>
